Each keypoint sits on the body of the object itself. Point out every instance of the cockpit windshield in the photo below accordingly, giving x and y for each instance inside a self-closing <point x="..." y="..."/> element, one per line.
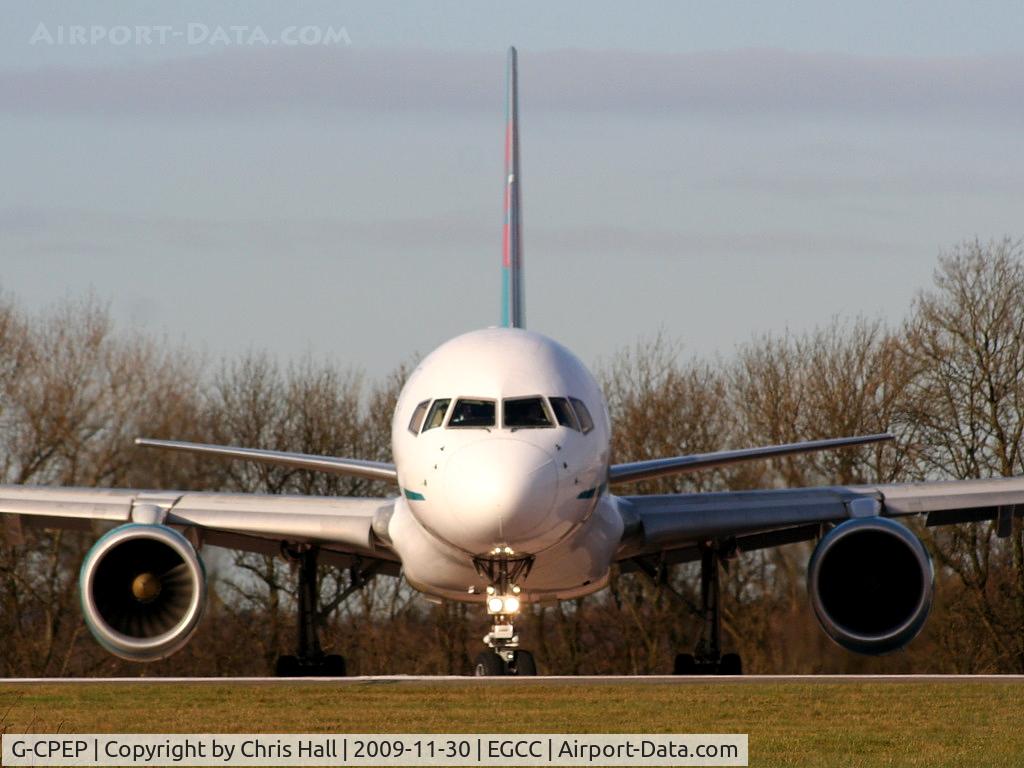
<point x="586" y="421"/>
<point x="436" y="416"/>
<point x="472" y="413"/>
<point x="417" y="417"/>
<point x="517" y="413"/>
<point x="564" y="413"/>
<point x="526" y="413"/>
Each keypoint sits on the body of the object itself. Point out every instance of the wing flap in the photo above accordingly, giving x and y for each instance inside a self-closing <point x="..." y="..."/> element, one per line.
<point x="919" y="498"/>
<point x="346" y="524"/>
<point x="302" y="518"/>
<point x="102" y="504"/>
<point x="670" y="522"/>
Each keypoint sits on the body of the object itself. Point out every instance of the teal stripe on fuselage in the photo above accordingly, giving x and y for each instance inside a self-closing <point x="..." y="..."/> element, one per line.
<point x="590" y="493"/>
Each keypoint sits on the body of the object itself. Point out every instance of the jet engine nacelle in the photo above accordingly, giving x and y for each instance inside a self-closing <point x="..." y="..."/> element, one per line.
<point x="871" y="584"/>
<point x="143" y="591"/>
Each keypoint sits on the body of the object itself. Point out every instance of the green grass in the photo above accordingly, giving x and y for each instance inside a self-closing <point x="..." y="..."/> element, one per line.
<point x="828" y="724"/>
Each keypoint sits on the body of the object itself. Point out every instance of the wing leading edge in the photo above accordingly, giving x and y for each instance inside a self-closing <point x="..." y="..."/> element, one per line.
<point x="645" y="470"/>
<point x="373" y="470"/>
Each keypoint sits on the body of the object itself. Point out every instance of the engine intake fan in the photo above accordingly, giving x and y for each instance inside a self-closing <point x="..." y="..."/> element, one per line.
<point x="871" y="584"/>
<point x="143" y="591"/>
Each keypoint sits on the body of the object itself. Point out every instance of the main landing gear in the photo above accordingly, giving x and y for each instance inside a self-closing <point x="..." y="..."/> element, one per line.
<point x="707" y="658"/>
<point x="502" y="570"/>
<point x="309" y="659"/>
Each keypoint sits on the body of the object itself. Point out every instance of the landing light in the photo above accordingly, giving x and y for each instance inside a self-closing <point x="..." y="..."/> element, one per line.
<point x="505" y="605"/>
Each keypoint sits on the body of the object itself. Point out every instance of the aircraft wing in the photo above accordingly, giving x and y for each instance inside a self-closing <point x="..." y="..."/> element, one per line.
<point x="674" y="525"/>
<point x="676" y="465"/>
<point x="342" y="527"/>
<point x="374" y="470"/>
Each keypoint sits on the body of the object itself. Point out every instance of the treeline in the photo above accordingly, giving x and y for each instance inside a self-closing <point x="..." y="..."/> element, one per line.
<point x="948" y="381"/>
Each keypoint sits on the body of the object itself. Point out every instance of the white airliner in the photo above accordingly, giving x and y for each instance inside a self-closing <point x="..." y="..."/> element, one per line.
<point x="501" y="447"/>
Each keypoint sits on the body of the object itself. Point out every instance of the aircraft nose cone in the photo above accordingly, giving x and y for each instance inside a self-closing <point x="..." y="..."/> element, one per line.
<point x="500" y="492"/>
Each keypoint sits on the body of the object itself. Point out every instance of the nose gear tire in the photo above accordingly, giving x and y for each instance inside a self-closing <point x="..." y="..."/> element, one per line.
<point x="489" y="664"/>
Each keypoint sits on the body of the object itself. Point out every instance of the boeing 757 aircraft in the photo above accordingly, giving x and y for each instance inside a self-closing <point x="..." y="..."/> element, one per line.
<point x="502" y="471"/>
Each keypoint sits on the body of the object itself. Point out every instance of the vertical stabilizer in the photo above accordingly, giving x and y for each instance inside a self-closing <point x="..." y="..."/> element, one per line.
<point x="513" y="313"/>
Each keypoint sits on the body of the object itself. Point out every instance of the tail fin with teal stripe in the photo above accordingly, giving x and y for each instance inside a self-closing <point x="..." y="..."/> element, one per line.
<point x="513" y="313"/>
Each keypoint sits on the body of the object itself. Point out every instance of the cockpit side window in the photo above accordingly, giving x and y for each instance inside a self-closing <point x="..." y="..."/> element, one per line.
<point x="472" y="413"/>
<point x="564" y="413"/>
<point x="436" y="416"/>
<point x="417" y="417"/>
<point x="526" y="413"/>
<point x="586" y="422"/>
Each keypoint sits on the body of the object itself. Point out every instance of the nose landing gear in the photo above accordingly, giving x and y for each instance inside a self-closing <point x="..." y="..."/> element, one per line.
<point x="502" y="569"/>
<point x="504" y="656"/>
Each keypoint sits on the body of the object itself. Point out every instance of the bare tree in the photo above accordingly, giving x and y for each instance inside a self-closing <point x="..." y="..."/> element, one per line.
<point x="965" y="411"/>
<point x="661" y="406"/>
<point x="843" y="379"/>
<point x="949" y="382"/>
<point x="72" y="395"/>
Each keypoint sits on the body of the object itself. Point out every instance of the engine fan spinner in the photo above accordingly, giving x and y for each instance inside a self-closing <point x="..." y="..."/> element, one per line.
<point x="143" y="591"/>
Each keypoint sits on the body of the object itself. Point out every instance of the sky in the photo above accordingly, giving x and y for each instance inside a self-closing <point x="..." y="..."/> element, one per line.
<point x="325" y="178"/>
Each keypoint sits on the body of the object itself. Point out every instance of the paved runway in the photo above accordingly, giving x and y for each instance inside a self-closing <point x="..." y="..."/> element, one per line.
<point x="540" y="680"/>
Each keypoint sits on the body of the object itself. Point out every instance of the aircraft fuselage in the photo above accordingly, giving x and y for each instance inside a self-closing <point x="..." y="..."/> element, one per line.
<point x="501" y="444"/>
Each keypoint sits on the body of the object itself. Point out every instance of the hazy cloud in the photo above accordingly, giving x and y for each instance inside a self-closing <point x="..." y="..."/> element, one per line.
<point x="730" y="84"/>
<point x="33" y="233"/>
